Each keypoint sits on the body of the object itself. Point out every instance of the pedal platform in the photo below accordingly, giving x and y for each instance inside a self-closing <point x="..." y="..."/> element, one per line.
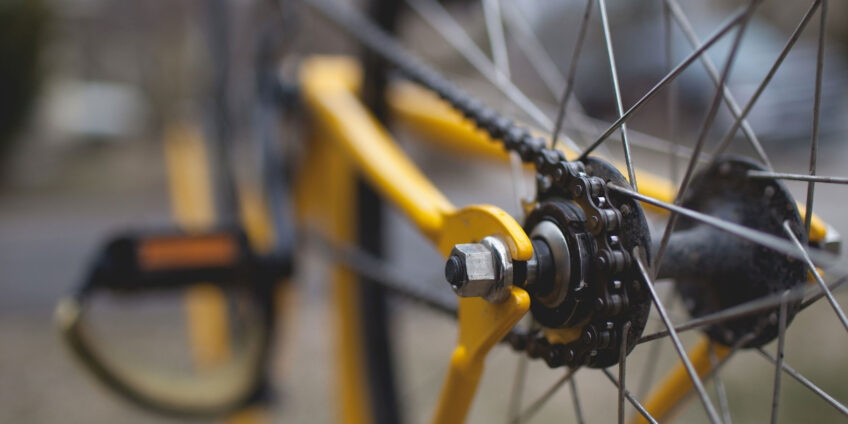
<point x="164" y="260"/>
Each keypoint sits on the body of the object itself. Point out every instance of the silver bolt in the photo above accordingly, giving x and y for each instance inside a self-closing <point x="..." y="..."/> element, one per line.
<point x="480" y="269"/>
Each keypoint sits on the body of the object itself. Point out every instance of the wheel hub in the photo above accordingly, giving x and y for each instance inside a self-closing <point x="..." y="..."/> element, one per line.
<point x="715" y="270"/>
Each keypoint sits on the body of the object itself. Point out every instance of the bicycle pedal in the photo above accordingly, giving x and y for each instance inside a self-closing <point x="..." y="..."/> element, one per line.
<point x="162" y="260"/>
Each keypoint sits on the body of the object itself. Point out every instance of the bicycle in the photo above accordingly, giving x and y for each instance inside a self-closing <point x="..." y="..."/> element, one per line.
<point x="581" y="264"/>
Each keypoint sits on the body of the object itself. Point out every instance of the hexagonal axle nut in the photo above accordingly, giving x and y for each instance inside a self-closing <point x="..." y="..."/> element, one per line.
<point x="480" y="269"/>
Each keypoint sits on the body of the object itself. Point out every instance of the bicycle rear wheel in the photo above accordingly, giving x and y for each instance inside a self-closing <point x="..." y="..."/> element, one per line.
<point x="588" y="127"/>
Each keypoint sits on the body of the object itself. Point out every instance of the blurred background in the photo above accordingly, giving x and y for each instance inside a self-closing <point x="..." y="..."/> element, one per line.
<point x="89" y="88"/>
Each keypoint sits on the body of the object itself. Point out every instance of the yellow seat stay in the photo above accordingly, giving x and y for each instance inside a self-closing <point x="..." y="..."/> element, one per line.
<point x="428" y="115"/>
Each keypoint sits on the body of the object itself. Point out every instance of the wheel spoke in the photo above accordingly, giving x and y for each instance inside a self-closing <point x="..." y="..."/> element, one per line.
<point x="649" y="369"/>
<point x="572" y="72"/>
<point x="728" y="97"/>
<point x="671" y="99"/>
<point x="778" y="364"/>
<point x="435" y="15"/>
<point x="797" y="177"/>
<point x="821" y="293"/>
<point x="725" y="141"/>
<point x="517" y="389"/>
<point x="821" y="258"/>
<point x="733" y="312"/>
<point x="589" y="126"/>
<point x="814" y="138"/>
<point x="622" y="370"/>
<point x="556" y="83"/>
<point x="518" y="383"/>
<point x="721" y="393"/>
<point x="538" y="403"/>
<point x="806" y="383"/>
<point x="713" y="373"/>
<point x="497" y="43"/>
<point x="690" y="369"/>
<point x="523" y="33"/>
<point x="519" y="187"/>
<point x="817" y="275"/>
<point x="631" y="174"/>
<point x="578" y="408"/>
<point x="671" y="76"/>
<point x="495" y="31"/>
<point x="743" y="309"/>
<point x="652" y="358"/>
<point x="630" y="398"/>
<point x="705" y="129"/>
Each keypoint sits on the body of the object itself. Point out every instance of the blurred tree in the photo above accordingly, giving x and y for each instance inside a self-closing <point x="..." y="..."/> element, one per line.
<point x="23" y="25"/>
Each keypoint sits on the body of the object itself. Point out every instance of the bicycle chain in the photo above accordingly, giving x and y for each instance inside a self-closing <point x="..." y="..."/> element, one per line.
<point x="589" y="192"/>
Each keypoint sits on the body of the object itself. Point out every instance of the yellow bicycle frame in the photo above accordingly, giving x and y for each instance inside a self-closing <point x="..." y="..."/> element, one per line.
<point x="346" y="142"/>
<point x="349" y="141"/>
